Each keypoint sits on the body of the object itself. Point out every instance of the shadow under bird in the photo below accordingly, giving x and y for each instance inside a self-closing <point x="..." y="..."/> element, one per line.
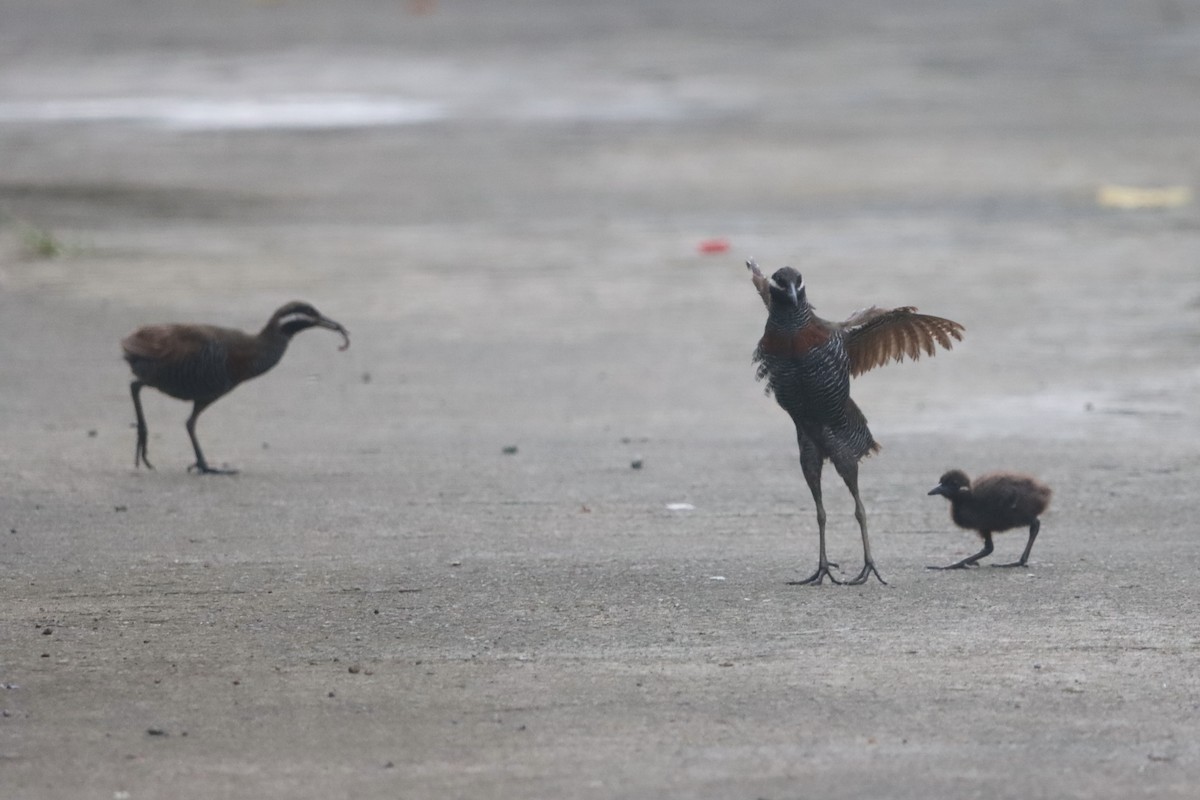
<point x="996" y="502"/>
<point x="202" y="363"/>
<point x="808" y="362"/>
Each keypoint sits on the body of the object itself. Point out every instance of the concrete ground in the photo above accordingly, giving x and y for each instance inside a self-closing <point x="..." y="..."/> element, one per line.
<point x="505" y="207"/>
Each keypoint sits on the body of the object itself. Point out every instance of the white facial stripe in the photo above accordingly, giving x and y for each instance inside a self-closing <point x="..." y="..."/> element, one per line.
<point x="295" y="316"/>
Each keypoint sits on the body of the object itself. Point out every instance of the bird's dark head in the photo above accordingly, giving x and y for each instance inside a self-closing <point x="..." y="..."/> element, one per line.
<point x="787" y="288"/>
<point x="953" y="483"/>
<point x="293" y="317"/>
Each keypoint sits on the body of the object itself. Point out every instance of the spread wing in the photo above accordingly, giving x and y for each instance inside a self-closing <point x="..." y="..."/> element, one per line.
<point x="760" y="282"/>
<point x="875" y="336"/>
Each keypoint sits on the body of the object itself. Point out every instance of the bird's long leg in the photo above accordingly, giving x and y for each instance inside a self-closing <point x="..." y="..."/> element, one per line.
<point x="1033" y="532"/>
<point x="849" y="473"/>
<point x="969" y="561"/>
<point x="201" y="466"/>
<point x="139" y="453"/>
<point x="810" y="464"/>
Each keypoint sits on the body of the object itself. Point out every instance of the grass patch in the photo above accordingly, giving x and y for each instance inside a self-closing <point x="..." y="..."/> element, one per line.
<point x="39" y="243"/>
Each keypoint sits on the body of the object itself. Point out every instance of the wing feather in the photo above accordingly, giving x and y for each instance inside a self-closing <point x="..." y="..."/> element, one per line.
<point x="166" y="342"/>
<point x="875" y="336"/>
<point x="761" y="283"/>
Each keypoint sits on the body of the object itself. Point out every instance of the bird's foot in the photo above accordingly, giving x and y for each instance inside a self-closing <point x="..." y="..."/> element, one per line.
<point x="818" y="576"/>
<point x="139" y="452"/>
<point x="1013" y="564"/>
<point x="867" y="571"/>
<point x="970" y="561"/>
<point x="205" y="469"/>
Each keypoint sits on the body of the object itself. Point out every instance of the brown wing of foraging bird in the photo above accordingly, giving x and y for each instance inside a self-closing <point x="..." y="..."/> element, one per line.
<point x="188" y="362"/>
<point x="166" y="342"/>
<point x="202" y="363"/>
<point x="808" y="361"/>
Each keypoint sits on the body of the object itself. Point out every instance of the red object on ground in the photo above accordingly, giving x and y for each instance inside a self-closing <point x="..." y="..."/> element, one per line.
<point x="713" y="246"/>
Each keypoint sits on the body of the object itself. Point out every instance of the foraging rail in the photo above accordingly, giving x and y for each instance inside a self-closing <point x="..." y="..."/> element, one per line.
<point x="996" y="502"/>
<point x="202" y="363"/>
<point x="808" y="363"/>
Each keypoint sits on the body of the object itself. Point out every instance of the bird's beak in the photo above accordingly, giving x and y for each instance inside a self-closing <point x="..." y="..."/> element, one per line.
<point x="326" y="322"/>
<point x="793" y="294"/>
<point x="940" y="489"/>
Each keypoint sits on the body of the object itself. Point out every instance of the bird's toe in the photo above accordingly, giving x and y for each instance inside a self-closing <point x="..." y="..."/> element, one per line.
<point x="205" y="469"/>
<point x="817" y="577"/>
<point x="867" y="571"/>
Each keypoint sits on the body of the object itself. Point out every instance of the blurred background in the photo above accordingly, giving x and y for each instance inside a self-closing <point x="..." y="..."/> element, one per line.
<point x="464" y="164"/>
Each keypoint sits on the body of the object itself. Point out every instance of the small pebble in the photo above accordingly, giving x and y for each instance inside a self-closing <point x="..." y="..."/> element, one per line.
<point x="636" y="463"/>
<point x="509" y="450"/>
<point x="92" y="433"/>
<point x="155" y="732"/>
<point x="355" y="669"/>
<point x="47" y="631"/>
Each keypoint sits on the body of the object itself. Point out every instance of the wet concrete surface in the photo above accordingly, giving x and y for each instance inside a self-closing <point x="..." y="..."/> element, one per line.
<point x="385" y="603"/>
